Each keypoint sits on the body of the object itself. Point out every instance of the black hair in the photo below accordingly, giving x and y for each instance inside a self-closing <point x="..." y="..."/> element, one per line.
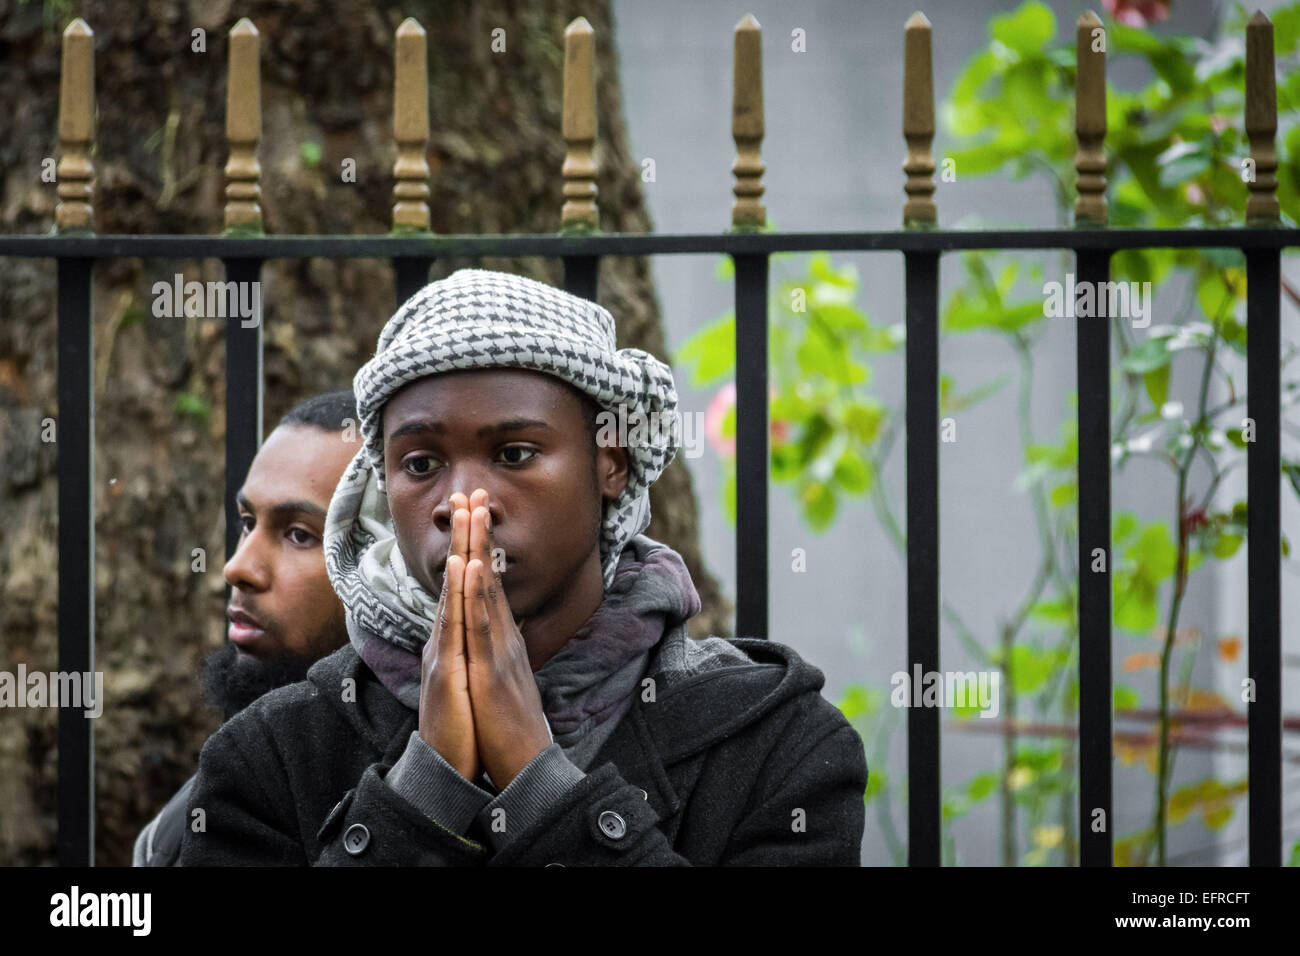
<point x="331" y="412"/>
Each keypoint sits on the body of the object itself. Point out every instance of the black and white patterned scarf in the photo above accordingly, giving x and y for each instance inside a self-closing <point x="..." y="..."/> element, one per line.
<point x="477" y="319"/>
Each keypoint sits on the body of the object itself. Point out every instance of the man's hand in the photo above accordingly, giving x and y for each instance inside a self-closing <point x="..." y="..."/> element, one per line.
<point x="446" y="718"/>
<point x="508" y="721"/>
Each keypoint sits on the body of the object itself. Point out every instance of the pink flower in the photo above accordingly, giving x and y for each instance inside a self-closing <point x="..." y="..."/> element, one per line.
<point x="1137" y="13"/>
<point x="719" y="406"/>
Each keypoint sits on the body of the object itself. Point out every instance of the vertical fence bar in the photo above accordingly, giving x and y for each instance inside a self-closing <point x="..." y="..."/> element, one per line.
<point x="922" y="389"/>
<point x="1264" y="464"/>
<point x="75" y="172"/>
<point x="752" y="453"/>
<point x="1092" y="334"/>
<point x="76" y="470"/>
<point x="918" y="123"/>
<point x="921" y="271"/>
<point x="243" y="396"/>
<point x="580" y="214"/>
<point x="411" y="274"/>
<point x="578" y="127"/>
<point x="243" y="214"/>
<point x="411" y="128"/>
<point x="75" y="444"/>
<point x="243" y="210"/>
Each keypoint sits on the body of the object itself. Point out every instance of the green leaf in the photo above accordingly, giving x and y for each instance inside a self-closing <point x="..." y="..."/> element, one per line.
<point x="858" y="701"/>
<point x="711" y="351"/>
<point x="1026" y="28"/>
<point x="852" y="473"/>
<point x="1226" y="546"/>
<point x="1183" y="162"/>
<point x="728" y="492"/>
<point x="981" y="785"/>
<point x="1030" y="668"/>
<point x="819" y="505"/>
<point x="1125" y="698"/>
<point x="1157" y="385"/>
<point x="1150" y="355"/>
<point x="863" y="418"/>
<point x="1064" y="493"/>
<point x="187" y="404"/>
<point x="1057" y="612"/>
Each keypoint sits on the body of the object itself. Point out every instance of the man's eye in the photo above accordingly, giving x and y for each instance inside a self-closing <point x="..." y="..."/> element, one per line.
<point x="519" y="448"/>
<point x="411" y="465"/>
<point x="307" y="535"/>
<point x="245" y="523"/>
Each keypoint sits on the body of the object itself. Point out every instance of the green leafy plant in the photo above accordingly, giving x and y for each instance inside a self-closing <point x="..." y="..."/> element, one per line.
<point x="1176" y="149"/>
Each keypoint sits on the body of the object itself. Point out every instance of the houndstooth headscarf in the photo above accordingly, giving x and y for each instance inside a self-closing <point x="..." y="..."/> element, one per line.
<point x="479" y="319"/>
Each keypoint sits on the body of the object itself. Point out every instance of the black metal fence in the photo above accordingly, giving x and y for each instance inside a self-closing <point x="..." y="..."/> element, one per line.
<point x="921" y="247"/>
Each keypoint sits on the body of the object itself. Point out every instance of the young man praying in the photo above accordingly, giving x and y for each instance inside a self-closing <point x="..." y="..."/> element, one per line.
<point x="519" y="687"/>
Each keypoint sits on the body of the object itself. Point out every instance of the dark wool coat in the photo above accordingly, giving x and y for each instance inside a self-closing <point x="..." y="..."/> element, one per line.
<point x="733" y="762"/>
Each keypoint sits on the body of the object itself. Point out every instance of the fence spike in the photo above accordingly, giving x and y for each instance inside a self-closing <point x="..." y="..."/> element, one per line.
<point x="411" y="128"/>
<point x="1090" y="121"/>
<point x="918" y="123"/>
<point x="243" y="128"/>
<point x="75" y="173"/>
<point x="578" y="127"/>
<point x="1261" y="122"/>
<point x="747" y="212"/>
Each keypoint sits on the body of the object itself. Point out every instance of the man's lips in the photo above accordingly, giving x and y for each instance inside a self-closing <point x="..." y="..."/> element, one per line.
<point x="245" y="630"/>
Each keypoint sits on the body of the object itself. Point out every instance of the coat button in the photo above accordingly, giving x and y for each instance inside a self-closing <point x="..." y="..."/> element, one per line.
<point x="612" y="825"/>
<point x="356" y="839"/>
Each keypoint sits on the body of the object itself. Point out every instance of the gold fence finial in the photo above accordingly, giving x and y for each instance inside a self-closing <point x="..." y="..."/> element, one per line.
<point x="411" y="128"/>
<point x="1090" y="121"/>
<point x="578" y="127"/>
<point x="747" y="212"/>
<point x="1261" y="123"/>
<point x="75" y="173"/>
<point x="918" y="123"/>
<point x="243" y="128"/>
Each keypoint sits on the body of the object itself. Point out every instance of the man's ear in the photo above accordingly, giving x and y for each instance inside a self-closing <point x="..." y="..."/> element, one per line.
<point x="611" y="470"/>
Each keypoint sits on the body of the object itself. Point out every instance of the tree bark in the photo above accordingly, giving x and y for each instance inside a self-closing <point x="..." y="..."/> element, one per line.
<point x="495" y="152"/>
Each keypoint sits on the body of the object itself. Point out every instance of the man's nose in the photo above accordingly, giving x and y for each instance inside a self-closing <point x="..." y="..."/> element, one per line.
<point x="246" y="568"/>
<point x="442" y="511"/>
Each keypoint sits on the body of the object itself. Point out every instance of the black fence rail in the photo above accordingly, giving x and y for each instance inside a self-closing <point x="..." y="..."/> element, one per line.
<point x="581" y="250"/>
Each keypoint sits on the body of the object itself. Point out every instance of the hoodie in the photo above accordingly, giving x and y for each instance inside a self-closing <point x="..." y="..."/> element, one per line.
<point x="728" y="754"/>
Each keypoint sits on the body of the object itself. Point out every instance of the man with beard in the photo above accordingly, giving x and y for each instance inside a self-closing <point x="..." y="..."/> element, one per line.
<point x="283" y="614"/>
<point x="518" y="686"/>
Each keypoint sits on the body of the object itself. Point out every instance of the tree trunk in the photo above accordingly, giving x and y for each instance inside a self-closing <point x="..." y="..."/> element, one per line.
<point x="495" y="151"/>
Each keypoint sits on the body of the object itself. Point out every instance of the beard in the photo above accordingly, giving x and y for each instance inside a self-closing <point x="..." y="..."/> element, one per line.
<point x="232" y="680"/>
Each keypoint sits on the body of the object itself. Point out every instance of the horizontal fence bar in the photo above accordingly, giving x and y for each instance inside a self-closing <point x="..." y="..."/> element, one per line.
<point x="624" y="244"/>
